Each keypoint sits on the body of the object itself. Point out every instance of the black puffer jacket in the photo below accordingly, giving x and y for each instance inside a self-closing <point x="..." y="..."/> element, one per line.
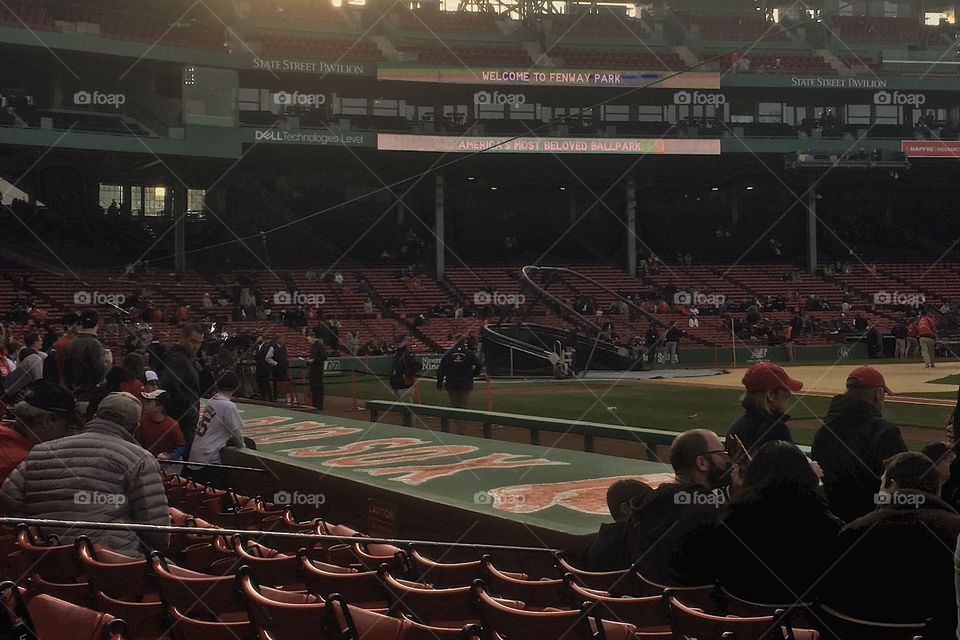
<point x="851" y="447"/>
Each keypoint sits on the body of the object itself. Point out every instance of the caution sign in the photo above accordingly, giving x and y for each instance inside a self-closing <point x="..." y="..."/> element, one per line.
<point x="381" y="519"/>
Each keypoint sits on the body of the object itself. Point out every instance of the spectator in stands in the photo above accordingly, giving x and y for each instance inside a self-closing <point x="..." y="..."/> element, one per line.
<point x="264" y="367"/>
<point x="317" y="362"/>
<point x="899" y="333"/>
<point x="46" y="413"/>
<point x="98" y="475"/>
<point x="221" y="426"/>
<point x="368" y="306"/>
<point x="895" y="564"/>
<point x="157" y="432"/>
<point x="85" y="361"/>
<point x="32" y="356"/>
<point x="778" y="485"/>
<point x="151" y="381"/>
<point x="768" y="391"/>
<point x="663" y="520"/>
<point x="927" y="335"/>
<point x="854" y="442"/>
<point x="458" y="367"/>
<point x="181" y="379"/>
<point x="403" y="376"/>
<point x="281" y="372"/>
<point x="608" y="549"/>
<point x="53" y="366"/>
<point x="207" y="301"/>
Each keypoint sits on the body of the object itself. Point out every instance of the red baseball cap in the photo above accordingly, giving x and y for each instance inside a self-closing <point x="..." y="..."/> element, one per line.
<point x="765" y="376"/>
<point x="865" y="378"/>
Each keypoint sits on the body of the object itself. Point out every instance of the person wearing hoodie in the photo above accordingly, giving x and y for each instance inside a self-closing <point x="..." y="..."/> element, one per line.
<point x="767" y="395"/>
<point x="854" y="442"/>
<point x="664" y="519"/>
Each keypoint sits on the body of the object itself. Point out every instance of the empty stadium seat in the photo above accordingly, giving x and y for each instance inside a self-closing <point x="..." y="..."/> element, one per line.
<point x="519" y="624"/>
<point x="646" y="613"/>
<point x="185" y="628"/>
<point x="694" y="623"/>
<point x="364" y="588"/>
<point x="117" y="575"/>
<point x="533" y="593"/>
<point x="839" y="626"/>
<point x="610" y="581"/>
<point x="283" y="615"/>
<point x="354" y="622"/>
<point x="179" y="589"/>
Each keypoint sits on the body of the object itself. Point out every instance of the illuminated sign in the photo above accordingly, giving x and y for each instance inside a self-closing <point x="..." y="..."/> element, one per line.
<point x="503" y="144"/>
<point x="551" y="77"/>
<point x="931" y="148"/>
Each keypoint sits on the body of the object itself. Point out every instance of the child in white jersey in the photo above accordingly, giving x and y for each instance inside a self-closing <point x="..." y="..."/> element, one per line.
<point x="220" y="426"/>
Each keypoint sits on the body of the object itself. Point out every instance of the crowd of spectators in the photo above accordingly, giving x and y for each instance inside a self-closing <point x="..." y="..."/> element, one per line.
<point x="861" y="525"/>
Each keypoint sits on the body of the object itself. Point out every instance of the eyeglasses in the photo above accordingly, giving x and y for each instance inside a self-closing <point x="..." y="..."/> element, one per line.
<point x="710" y="453"/>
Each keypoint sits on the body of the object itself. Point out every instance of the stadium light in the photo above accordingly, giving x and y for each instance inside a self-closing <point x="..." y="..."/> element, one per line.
<point x="715" y="189"/>
<point x="749" y="188"/>
<point x="493" y="188"/>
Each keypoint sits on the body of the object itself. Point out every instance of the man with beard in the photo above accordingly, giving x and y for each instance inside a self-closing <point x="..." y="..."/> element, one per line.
<point x="664" y="519"/>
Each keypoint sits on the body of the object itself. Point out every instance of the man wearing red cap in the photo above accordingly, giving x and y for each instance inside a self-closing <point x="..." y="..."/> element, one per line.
<point x="768" y="390"/>
<point x="854" y="442"/>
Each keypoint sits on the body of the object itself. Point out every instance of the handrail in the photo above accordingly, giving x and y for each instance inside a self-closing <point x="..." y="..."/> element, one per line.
<point x="534" y="424"/>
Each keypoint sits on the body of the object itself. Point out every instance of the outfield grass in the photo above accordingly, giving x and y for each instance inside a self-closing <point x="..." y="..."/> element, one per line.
<point x="640" y="404"/>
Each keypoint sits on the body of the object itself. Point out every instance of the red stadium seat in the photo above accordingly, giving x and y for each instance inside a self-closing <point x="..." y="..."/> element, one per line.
<point x="282" y="615"/>
<point x="443" y="574"/>
<point x="49" y="618"/>
<point x="533" y="593"/>
<point x="268" y="566"/>
<point x="146" y="620"/>
<point x="694" y="623"/>
<point x="645" y="613"/>
<point x="185" y="628"/>
<point x="610" y="581"/>
<point x="841" y="626"/>
<point x="518" y="624"/>
<point x="354" y="622"/>
<point x="444" y="607"/>
<point x="117" y="575"/>
<point x="362" y="588"/>
<point x="197" y="595"/>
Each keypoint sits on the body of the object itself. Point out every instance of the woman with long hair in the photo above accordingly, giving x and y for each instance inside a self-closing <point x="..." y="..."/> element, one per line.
<point x="775" y="538"/>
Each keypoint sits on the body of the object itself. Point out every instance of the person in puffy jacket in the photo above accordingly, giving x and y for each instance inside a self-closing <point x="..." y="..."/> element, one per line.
<point x="98" y="475"/>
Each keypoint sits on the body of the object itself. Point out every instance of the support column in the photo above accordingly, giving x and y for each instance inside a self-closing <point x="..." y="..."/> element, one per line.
<point x="179" y="211"/>
<point x="632" y="226"/>
<point x="735" y="207"/>
<point x="812" y="230"/>
<point x="126" y="194"/>
<point x="439" y="214"/>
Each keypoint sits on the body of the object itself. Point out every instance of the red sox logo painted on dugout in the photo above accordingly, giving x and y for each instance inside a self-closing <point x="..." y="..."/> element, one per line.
<point x="392" y="457"/>
<point x="381" y="456"/>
